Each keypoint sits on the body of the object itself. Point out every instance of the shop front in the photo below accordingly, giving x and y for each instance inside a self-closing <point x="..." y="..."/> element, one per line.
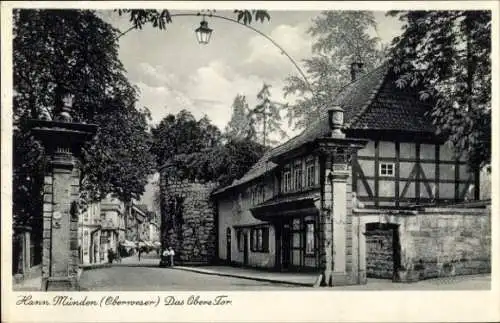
<point x="295" y="222"/>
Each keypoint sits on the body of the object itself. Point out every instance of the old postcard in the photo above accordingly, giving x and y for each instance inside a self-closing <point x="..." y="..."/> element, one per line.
<point x="250" y="161"/>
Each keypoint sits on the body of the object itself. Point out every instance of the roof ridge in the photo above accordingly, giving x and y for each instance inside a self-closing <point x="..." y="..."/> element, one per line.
<point x="373" y="95"/>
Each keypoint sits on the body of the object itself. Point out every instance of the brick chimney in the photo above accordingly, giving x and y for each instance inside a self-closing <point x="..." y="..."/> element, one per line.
<point x="356" y="70"/>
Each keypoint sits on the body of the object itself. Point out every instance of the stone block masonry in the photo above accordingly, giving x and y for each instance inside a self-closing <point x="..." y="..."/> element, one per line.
<point x="441" y="242"/>
<point x="437" y="242"/>
<point x="189" y="215"/>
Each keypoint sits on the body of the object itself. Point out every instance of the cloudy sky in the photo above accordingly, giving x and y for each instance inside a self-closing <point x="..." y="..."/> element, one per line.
<point x="174" y="72"/>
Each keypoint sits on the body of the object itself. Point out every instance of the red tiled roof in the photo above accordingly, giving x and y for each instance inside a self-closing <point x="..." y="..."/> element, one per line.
<point x="373" y="102"/>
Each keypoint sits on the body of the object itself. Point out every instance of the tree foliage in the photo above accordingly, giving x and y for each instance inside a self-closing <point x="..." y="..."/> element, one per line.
<point x="196" y="150"/>
<point x="160" y="18"/>
<point x="240" y="125"/>
<point x="58" y="52"/>
<point x="266" y="117"/>
<point x="448" y="55"/>
<point x="235" y="158"/>
<point x="182" y="134"/>
<point x="341" y="38"/>
<point x="119" y="160"/>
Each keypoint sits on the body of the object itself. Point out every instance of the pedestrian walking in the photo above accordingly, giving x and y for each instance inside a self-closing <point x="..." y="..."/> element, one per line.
<point x="139" y="253"/>
<point x="110" y="255"/>
<point x="171" y="254"/>
<point x="119" y="254"/>
<point x="165" y="255"/>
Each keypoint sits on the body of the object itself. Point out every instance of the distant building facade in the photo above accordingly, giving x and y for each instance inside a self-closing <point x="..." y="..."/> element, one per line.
<point x="101" y="228"/>
<point x="89" y="233"/>
<point x="154" y="227"/>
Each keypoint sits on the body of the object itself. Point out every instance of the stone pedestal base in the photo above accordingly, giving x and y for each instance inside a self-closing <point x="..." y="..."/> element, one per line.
<point x="341" y="279"/>
<point x="62" y="284"/>
<point x="362" y="277"/>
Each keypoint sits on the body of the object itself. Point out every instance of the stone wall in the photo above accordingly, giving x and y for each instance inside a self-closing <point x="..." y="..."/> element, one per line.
<point x="189" y="220"/>
<point x="447" y="242"/>
<point x="434" y="242"/>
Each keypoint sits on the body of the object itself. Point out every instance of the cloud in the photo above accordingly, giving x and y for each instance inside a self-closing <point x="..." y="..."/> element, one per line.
<point x="268" y="60"/>
<point x="155" y="75"/>
<point x="209" y="90"/>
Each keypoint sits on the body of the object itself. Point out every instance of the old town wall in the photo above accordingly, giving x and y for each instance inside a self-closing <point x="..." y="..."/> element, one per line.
<point x="189" y="220"/>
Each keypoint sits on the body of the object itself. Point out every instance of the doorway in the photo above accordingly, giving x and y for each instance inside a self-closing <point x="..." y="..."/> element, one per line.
<point x="228" y="245"/>
<point x="383" y="250"/>
<point x="286" y="237"/>
<point x="245" y="248"/>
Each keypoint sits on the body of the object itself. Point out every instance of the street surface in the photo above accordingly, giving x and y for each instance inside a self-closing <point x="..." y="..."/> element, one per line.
<point x="145" y="275"/>
<point x="121" y="278"/>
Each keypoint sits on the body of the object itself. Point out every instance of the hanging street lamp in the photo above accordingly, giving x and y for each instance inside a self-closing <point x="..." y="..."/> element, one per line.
<point x="203" y="33"/>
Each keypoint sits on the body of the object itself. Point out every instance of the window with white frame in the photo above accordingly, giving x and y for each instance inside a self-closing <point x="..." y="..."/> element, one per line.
<point x="297" y="175"/>
<point x="287" y="180"/>
<point x="262" y="193"/>
<point x="310" y="238"/>
<point x="253" y="191"/>
<point x="259" y="239"/>
<point x="386" y="169"/>
<point x="241" y="237"/>
<point x="310" y="173"/>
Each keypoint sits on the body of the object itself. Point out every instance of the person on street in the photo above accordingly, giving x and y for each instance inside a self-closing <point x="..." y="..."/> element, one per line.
<point x="110" y="256"/>
<point x="171" y="254"/>
<point x="139" y="253"/>
<point x="119" y="254"/>
<point x="165" y="257"/>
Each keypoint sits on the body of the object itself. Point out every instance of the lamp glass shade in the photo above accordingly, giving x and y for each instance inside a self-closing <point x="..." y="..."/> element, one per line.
<point x="203" y="33"/>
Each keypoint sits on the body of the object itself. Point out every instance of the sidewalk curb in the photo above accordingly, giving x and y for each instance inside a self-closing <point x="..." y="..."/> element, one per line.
<point x="108" y="265"/>
<point x="94" y="266"/>
<point x="270" y="280"/>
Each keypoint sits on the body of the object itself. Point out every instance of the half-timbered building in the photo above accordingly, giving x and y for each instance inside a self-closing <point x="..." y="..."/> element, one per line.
<point x="271" y="217"/>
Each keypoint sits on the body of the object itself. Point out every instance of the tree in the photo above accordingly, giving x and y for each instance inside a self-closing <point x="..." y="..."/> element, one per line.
<point x="58" y="52"/>
<point x="160" y="18"/>
<point x="182" y="134"/>
<point x="341" y="38"/>
<point x="266" y="116"/>
<point x="240" y="124"/>
<point x="447" y="55"/>
<point x="235" y="158"/>
<point x="119" y="161"/>
<point x="198" y="151"/>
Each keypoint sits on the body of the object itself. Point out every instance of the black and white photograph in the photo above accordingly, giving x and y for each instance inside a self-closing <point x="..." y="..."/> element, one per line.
<point x="162" y="149"/>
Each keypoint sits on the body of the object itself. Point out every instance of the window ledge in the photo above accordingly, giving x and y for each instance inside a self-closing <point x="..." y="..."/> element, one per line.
<point x="302" y="190"/>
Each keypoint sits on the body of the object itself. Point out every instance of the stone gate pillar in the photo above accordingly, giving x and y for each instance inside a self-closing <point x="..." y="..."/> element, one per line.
<point x="62" y="140"/>
<point x="339" y="176"/>
<point x="337" y="236"/>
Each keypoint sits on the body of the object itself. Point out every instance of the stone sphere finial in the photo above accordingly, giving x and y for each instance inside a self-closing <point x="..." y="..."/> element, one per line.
<point x="65" y="114"/>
